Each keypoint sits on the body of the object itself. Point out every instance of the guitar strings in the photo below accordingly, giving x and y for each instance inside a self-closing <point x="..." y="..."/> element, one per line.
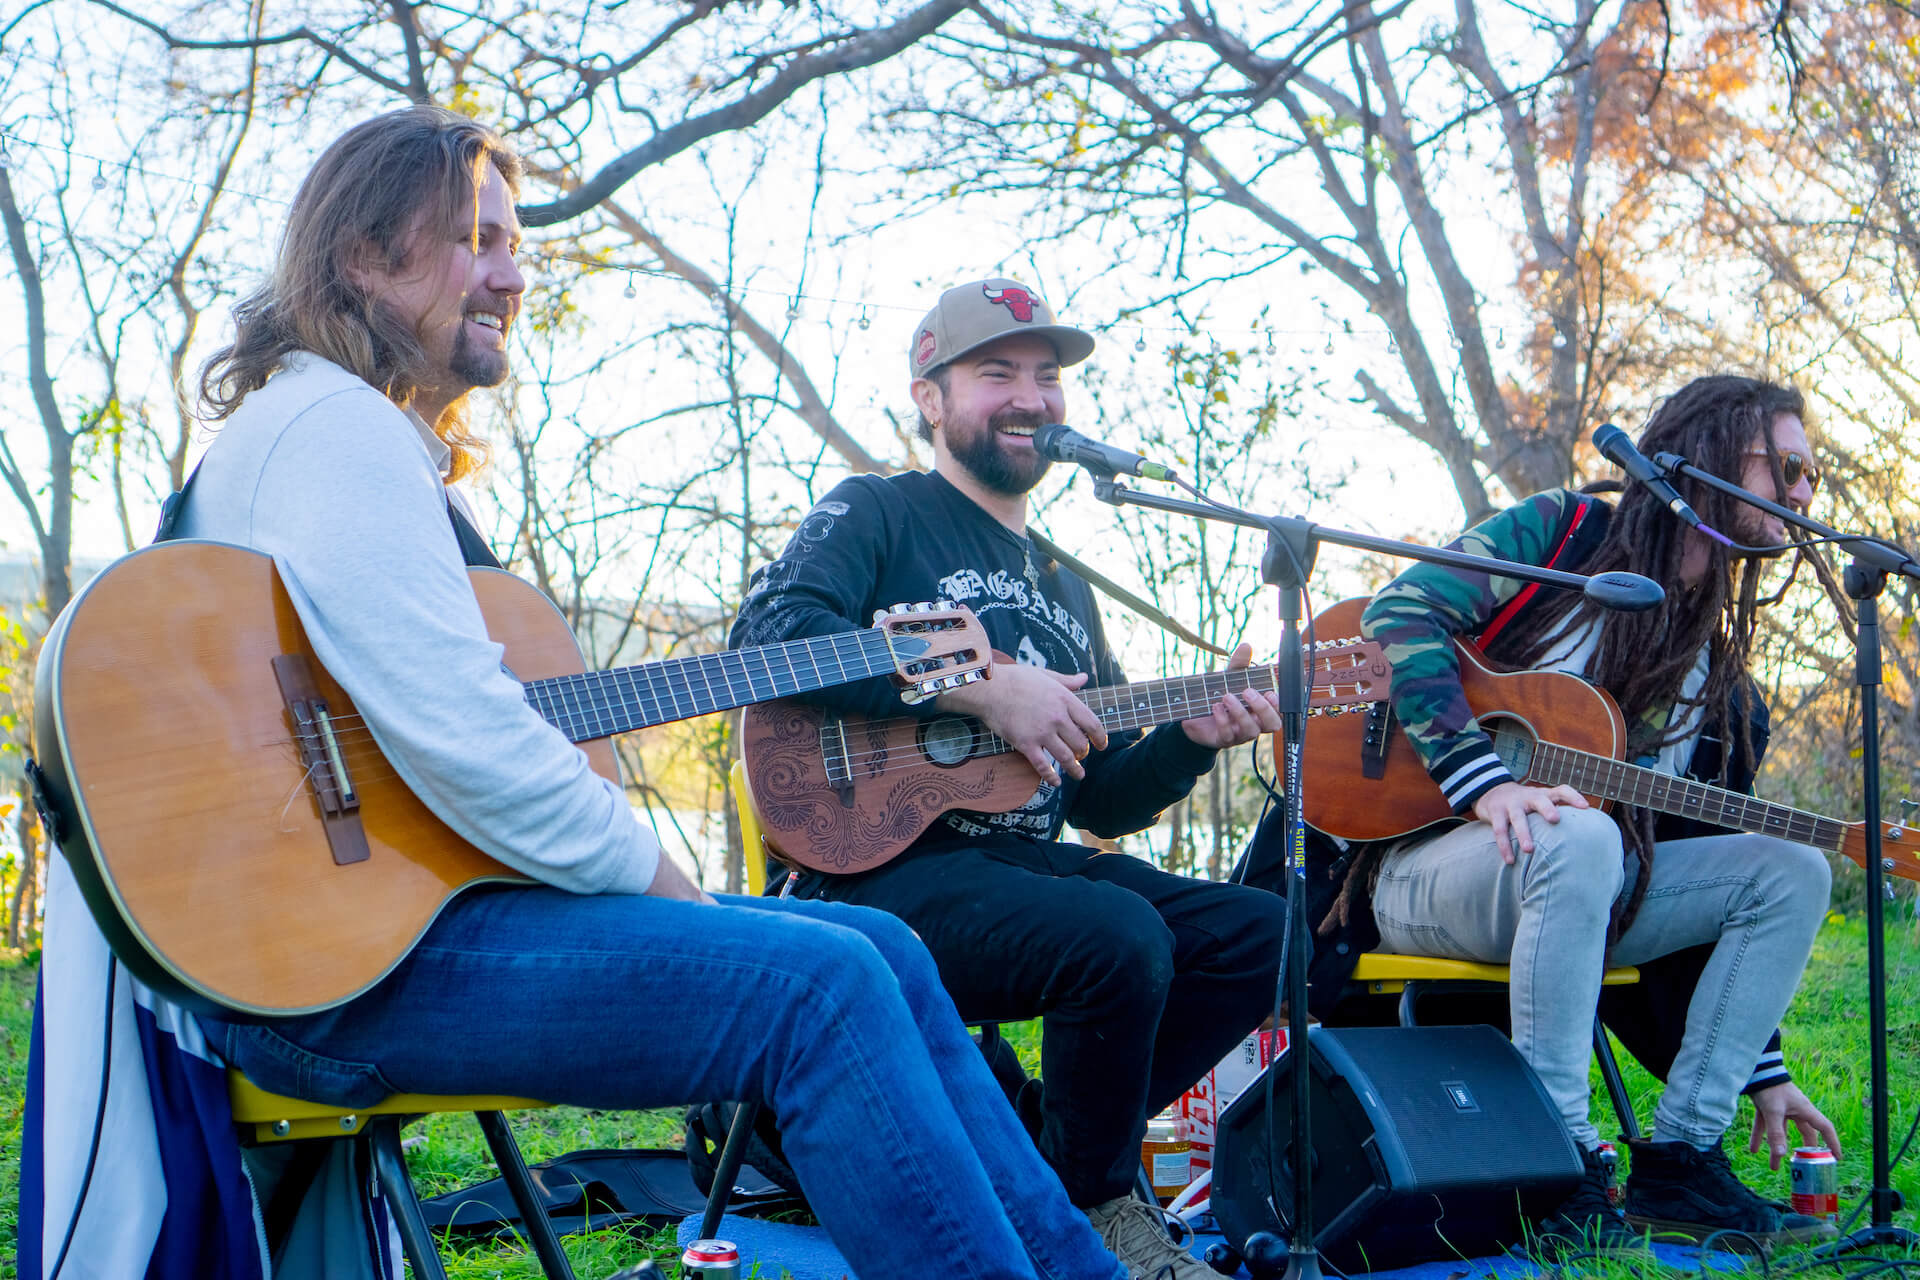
<point x="350" y="730"/>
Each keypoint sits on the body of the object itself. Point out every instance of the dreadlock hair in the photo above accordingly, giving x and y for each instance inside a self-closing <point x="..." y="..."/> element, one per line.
<point x="362" y="201"/>
<point x="1643" y="658"/>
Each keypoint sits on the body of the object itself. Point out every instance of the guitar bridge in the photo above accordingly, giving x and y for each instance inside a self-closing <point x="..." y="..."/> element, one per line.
<point x="326" y="764"/>
<point x="1376" y="740"/>
<point x="833" y="750"/>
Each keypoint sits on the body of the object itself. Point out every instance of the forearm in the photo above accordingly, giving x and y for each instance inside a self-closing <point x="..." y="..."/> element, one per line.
<point x="1416" y="618"/>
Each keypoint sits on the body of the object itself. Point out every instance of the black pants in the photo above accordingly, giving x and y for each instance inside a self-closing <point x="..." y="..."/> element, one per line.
<point x="1144" y="979"/>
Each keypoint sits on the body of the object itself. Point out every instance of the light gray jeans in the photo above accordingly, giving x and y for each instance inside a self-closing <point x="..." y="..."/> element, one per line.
<point x="1758" y="899"/>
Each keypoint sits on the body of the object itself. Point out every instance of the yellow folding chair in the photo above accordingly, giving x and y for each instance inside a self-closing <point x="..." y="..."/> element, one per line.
<point x="753" y="841"/>
<point x="265" y="1117"/>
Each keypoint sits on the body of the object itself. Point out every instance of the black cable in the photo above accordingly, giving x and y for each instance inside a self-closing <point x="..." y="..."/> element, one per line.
<point x="99" y="1122"/>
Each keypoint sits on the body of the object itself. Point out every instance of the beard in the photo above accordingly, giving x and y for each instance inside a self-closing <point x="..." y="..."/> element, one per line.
<point x="472" y="366"/>
<point x="996" y="467"/>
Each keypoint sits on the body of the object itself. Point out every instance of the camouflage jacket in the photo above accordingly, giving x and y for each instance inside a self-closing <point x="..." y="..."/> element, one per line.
<point x="1416" y="617"/>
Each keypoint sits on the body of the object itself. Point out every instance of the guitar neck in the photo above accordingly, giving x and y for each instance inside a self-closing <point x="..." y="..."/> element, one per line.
<point x="1598" y="775"/>
<point x="599" y="704"/>
<point x="1156" y="702"/>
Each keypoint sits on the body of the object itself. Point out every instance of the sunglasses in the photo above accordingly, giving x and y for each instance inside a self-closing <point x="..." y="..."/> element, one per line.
<point x="1792" y="467"/>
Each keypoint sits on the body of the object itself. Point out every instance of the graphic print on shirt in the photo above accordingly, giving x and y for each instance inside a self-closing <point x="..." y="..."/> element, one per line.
<point x="813" y="530"/>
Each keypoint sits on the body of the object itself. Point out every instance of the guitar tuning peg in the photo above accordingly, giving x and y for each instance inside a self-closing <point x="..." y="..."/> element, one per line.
<point x="902" y="607"/>
<point x="943" y="605"/>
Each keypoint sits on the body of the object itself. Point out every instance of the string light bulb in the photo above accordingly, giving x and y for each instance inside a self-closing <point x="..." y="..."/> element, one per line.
<point x="630" y="291"/>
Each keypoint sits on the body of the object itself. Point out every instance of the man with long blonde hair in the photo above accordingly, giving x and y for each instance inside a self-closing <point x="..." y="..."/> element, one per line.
<point x="611" y="981"/>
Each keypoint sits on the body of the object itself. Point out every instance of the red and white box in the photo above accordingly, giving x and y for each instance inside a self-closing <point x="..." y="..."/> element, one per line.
<point x="1214" y="1092"/>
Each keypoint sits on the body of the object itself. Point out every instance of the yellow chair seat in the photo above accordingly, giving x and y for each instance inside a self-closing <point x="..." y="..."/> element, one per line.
<point x="276" y="1118"/>
<point x="1385" y="974"/>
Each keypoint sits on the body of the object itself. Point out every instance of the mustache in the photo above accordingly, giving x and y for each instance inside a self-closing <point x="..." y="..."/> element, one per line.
<point x="1017" y="418"/>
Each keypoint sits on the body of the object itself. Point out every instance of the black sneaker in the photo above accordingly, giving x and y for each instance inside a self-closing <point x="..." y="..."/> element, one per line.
<point x="1586" y="1221"/>
<point x="1676" y="1188"/>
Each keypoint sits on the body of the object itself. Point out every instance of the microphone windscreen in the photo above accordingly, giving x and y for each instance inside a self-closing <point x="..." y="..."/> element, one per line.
<point x="1628" y="592"/>
<point x="1608" y="438"/>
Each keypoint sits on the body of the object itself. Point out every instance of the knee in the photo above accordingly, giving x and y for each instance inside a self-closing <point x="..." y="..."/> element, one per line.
<point x="840" y="972"/>
<point x="1256" y="940"/>
<point x="1579" y="854"/>
<point x="1127" y="954"/>
<point x="1791" y="875"/>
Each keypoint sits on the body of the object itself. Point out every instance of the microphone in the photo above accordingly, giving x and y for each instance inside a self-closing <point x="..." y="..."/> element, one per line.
<point x="1627" y="592"/>
<point x="1614" y="446"/>
<point x="1062" y="443"/>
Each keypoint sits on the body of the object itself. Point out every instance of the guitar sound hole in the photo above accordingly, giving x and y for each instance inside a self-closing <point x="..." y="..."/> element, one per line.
<point x="947" y="741"/>
<point x="1512" y="743"/>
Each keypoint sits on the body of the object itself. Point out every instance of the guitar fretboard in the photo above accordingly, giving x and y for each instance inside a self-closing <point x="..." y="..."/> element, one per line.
<point x="1683" y="797"/>
<point x="599" y="704"/>
<point x="1151" y="702"/>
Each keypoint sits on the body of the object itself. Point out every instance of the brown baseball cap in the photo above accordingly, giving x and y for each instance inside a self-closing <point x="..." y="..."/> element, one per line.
<point x="972" y="315"/>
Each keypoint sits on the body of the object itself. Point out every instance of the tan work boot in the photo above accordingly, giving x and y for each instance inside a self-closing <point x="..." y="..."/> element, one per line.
<point x="1135" y="1232"/>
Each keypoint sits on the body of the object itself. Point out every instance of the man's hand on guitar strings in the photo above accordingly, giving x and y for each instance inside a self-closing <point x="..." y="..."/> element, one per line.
<point x="1037" y="713"/>
<point x="1236" y="718"/>
<point x="1505" y="809"/>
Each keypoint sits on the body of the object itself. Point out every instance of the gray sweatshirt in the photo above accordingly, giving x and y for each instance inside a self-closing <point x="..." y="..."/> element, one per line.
<point x="345" y="491"/>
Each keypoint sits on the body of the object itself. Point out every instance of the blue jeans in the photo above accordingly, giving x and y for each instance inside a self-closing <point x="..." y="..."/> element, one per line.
<point x="833" y="1015"/>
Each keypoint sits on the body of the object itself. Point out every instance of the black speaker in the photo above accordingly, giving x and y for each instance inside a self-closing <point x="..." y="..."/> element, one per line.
<point x="1428" y="1142"/>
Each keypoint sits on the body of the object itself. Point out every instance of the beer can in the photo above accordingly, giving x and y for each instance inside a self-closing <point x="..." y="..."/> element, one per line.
<point x="1816" y="1183"/>
<point x="710" y="1260"/>
<point x="1609" y="1158"/>
<point x="1167" y="1155"/>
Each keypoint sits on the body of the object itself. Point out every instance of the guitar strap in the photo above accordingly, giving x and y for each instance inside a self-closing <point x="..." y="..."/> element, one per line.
<point x="473" y="544"/>
<point x="1502" y="619"/>
<point x="1094" y="577"/>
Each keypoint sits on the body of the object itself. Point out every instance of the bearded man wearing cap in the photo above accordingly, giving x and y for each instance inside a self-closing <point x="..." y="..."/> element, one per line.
<point x="1143" y="979"/>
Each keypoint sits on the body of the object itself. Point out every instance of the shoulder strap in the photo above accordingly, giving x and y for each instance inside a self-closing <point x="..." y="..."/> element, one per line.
<point x="473" y="545"/>
<point x="1519" y="602"/>
<point x="1048" y="548"/>
<point x="169" y="527"/>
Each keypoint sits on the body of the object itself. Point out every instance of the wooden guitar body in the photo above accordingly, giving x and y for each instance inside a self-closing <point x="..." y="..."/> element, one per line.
<point x="901" y="781"/>
<point x="1550" y="729"/>
<point x="844" y="794"/>
<point x="241" y="840"/>
<point x="188" y="818"/>
<point x="1339" y="796"/>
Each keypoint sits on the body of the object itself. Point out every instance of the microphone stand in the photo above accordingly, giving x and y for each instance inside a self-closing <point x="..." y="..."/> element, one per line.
<point x="1864" y="579"/>
<point x="1292" y="545"/>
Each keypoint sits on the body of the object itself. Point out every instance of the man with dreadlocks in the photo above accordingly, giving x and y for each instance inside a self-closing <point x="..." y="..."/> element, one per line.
<point x="1537" y="880"/>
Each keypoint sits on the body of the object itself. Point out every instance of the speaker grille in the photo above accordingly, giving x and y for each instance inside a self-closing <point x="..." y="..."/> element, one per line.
<point x="1494" y="1138"/>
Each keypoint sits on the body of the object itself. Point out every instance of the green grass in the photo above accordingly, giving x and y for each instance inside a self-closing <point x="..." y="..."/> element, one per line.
<point x="1826" y="1050"/>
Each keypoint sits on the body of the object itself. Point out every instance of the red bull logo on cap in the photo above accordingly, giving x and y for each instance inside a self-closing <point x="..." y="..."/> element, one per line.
<point x="924" y="347"/>
<point x="1017" y="301"/>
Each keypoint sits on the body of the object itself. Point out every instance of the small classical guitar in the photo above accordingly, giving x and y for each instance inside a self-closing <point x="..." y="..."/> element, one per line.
<point x="843" y="793"/>
<point x="235" y="830"/>
<point x="1364" y="780"/>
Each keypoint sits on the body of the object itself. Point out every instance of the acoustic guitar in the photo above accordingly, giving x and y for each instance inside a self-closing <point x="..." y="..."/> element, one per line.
<point x="843" y="793"/>
<point x="236" y="832"/>
<point x="1365" y="781"/>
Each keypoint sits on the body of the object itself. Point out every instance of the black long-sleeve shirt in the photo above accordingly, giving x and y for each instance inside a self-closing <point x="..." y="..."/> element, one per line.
<point x="874" y="542"/>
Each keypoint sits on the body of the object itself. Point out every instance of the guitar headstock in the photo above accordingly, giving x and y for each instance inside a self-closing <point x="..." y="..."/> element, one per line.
<point x="1351" y="672"/>
<point x="1899" y="843"/>
<point x="936" y="647"/>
